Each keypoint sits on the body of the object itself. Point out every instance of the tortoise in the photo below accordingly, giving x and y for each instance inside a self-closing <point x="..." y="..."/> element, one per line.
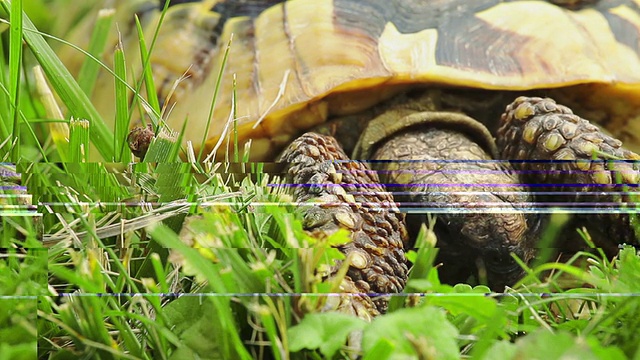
<point x="418" y="87"/>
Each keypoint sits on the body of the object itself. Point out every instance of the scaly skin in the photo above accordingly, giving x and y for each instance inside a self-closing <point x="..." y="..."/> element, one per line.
<point x="346" y="194"/>
<point x="484" y="208"/>
<point x="479" y="200"/>
<point x="540" y="129"/>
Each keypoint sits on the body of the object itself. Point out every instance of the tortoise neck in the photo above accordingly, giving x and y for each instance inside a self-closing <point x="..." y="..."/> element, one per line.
<point x="454" y="109"/>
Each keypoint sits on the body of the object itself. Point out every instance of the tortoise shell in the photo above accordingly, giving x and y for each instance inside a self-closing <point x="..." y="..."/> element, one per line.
<point x="297" y="63"/>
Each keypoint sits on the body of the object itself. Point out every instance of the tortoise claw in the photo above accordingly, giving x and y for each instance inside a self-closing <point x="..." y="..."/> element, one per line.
<point x="540" y="129"/>
<point x="589" y="170"/>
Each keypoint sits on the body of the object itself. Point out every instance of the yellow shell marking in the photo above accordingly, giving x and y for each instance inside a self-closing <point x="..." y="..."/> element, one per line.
<point x="328" y="68"/>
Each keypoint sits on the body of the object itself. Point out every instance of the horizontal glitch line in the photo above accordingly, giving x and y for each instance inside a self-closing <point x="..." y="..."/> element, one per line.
<point x="455" y="184"/>
<point x="419" y="294"/>
<point x="490" y="161"/>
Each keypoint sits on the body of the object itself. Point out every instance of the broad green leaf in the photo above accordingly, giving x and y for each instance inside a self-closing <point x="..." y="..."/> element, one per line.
<point x="546" y="345"/>
<point x="423" y="332"/>
<point x="324" y="331"/>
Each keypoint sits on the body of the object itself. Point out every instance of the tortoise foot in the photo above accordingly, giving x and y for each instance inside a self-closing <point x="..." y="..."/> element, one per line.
<point x="344" y="194"/>
<point x="585" y="171"/>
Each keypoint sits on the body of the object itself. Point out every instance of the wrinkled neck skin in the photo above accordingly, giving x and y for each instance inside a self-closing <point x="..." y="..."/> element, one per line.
<point x="481" y="105"/>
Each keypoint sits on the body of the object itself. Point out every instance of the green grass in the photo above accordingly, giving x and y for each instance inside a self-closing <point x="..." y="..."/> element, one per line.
<point x="94" y="278"/>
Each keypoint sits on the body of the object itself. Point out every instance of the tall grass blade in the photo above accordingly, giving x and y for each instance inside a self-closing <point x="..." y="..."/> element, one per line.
<point x="215" y="96"/>
<point x="89" y="69"/>
<point x="15" y="59"/>
<point x="58" y="129"/>
<point x="122" y="109"/>
<point x="149" y="84"/>
<point x="65" y="86"/>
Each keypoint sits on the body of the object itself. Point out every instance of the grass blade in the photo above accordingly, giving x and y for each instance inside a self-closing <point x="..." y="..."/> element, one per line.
<point x="122" y="112"/>
<point x="79" y="140"/>
<point x="89" y="70"/>
<point x="65" y="86"/>
<point x="58" y="130"/>
<point x="152" y="97"/>
<point x="215" y="96"/>
<point x="15" y="59"/>
<point x="5" y="108"/>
